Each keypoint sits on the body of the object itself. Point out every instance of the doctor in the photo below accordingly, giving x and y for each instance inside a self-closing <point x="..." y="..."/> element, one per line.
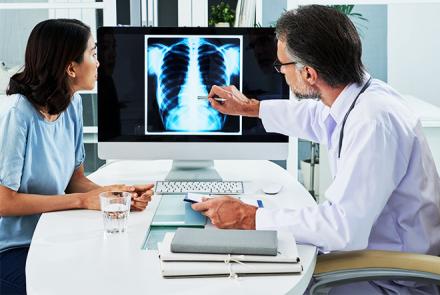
<point x="385" y="192"/>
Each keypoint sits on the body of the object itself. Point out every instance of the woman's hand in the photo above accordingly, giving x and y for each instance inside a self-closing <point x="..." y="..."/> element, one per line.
<point x="90" y="199"/>
<point x="140" y="196"/>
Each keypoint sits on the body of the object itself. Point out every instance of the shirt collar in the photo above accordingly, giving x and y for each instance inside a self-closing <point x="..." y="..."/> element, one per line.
<point x="344" y="100"/>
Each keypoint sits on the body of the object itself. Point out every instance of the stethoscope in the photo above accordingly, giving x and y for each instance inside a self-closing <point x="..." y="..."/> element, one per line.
<point x="341" y="135"/>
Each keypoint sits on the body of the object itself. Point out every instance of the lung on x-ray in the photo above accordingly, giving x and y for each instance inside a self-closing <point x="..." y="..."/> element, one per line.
<point x="179" y="69"/>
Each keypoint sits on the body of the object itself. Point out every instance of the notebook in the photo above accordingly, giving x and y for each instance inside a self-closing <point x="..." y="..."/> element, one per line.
<point x="287" y="252"/>
<point x="225" y="241"/>
<point x="198" y="269"/>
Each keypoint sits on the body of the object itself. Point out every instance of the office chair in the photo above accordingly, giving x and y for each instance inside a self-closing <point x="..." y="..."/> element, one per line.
<point x="340" y="268"/>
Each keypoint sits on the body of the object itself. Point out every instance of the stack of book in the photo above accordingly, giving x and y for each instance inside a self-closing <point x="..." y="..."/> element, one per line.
<point x="181" y="253"/>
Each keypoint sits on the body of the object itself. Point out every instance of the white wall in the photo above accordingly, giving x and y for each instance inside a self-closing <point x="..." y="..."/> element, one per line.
<point x="15" y="27"/>
<point x="271" y="11"/>
<point x="414" y="50"/>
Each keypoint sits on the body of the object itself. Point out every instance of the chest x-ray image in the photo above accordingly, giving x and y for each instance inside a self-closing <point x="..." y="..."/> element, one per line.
<point x="180" y="69"/>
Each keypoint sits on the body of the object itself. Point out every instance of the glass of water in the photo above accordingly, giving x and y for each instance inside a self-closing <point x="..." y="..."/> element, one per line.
<point x="115" y="207"/>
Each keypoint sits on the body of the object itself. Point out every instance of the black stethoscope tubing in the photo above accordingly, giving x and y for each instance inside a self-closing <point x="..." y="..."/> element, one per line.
<point x="341" y="135"/>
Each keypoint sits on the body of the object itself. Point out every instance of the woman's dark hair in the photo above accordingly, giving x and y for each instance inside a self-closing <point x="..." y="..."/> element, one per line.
<point x="52" y="45"/>
<point x="324" y="39"/>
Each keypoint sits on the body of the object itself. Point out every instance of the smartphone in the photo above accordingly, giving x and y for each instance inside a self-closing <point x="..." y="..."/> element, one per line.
<point x="190" y="201"/>
<point x="194" y="198"/>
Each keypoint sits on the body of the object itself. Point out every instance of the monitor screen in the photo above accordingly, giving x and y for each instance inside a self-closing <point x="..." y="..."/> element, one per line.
<point x="179" y="69"/>
<point x="153" y="83"/>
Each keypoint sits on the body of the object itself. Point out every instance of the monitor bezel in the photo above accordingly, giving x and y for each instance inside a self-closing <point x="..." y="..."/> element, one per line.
<point x="266" y="146"/>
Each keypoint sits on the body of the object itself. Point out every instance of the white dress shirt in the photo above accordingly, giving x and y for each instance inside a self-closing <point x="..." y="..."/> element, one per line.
<point x="385" y="192"/>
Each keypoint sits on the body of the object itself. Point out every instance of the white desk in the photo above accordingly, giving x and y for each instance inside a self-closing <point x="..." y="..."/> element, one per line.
<point x="70" y="254"/>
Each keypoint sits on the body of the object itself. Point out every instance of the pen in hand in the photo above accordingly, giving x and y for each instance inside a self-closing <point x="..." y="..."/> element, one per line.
<point x="219" y="99"/>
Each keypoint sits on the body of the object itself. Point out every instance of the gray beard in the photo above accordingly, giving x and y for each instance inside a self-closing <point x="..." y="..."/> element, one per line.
<point x="302" y="96"/>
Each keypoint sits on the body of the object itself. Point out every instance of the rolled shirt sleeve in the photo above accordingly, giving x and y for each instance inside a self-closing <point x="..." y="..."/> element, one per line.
<point x="369" y="170"/>
<point x="13" y="137"/>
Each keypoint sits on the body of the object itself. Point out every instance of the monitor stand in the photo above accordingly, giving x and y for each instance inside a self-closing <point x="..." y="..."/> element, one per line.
<point x="193" y="170"/>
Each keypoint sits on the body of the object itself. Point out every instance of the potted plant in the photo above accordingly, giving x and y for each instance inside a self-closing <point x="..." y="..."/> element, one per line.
<point x="357" y="18"/>
<point x="222" y="15"/>
<point x="348" y="11"/>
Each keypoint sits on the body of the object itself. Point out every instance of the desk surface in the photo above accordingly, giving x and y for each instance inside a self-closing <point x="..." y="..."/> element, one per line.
<point x="70" y="254"/>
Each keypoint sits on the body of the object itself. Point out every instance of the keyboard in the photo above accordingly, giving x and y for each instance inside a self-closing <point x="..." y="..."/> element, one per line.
<point x="201" y="187"/>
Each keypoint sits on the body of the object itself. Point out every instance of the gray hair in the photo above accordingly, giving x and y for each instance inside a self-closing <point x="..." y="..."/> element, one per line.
<point x="324" y="39"/>
<point x="281" y="35"/>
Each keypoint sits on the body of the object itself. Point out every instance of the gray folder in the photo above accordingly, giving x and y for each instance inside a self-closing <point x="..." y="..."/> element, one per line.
<point x="225" y="241"/>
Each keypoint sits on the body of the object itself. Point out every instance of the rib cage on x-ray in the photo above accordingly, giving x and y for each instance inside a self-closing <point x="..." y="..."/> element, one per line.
<point x="211" y="58"/>
<point x="175" y="63"/>
<point x="186" y="69"/>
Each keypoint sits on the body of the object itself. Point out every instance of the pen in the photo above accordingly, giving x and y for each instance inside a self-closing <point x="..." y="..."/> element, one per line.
<point x="215" y="98"/>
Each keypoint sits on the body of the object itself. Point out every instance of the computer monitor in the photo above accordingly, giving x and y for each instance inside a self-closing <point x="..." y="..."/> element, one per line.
<point x="149" y="81"/>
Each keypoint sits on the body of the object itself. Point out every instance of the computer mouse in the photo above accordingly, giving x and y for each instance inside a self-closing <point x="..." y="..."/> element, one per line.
<point x="271" y="188"/>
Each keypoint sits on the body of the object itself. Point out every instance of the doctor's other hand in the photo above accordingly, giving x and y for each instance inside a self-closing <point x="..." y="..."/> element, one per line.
<point x="227" y="212"/>
<point x="235" y="102"/>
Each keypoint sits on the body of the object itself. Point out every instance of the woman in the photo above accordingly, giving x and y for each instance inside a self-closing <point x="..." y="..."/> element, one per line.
<point x="41" y="144"/>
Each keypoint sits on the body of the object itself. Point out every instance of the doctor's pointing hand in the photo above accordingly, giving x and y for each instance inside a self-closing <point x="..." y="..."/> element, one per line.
<point x="235" y="103"/>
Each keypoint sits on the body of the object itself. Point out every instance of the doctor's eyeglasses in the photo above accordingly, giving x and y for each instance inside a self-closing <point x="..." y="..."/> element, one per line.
<point x="277" y="65"/>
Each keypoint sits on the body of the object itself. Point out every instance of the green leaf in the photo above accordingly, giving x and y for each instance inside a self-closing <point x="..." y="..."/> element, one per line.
<point x="221" y="13"/>
<point x="348" y="11"/>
